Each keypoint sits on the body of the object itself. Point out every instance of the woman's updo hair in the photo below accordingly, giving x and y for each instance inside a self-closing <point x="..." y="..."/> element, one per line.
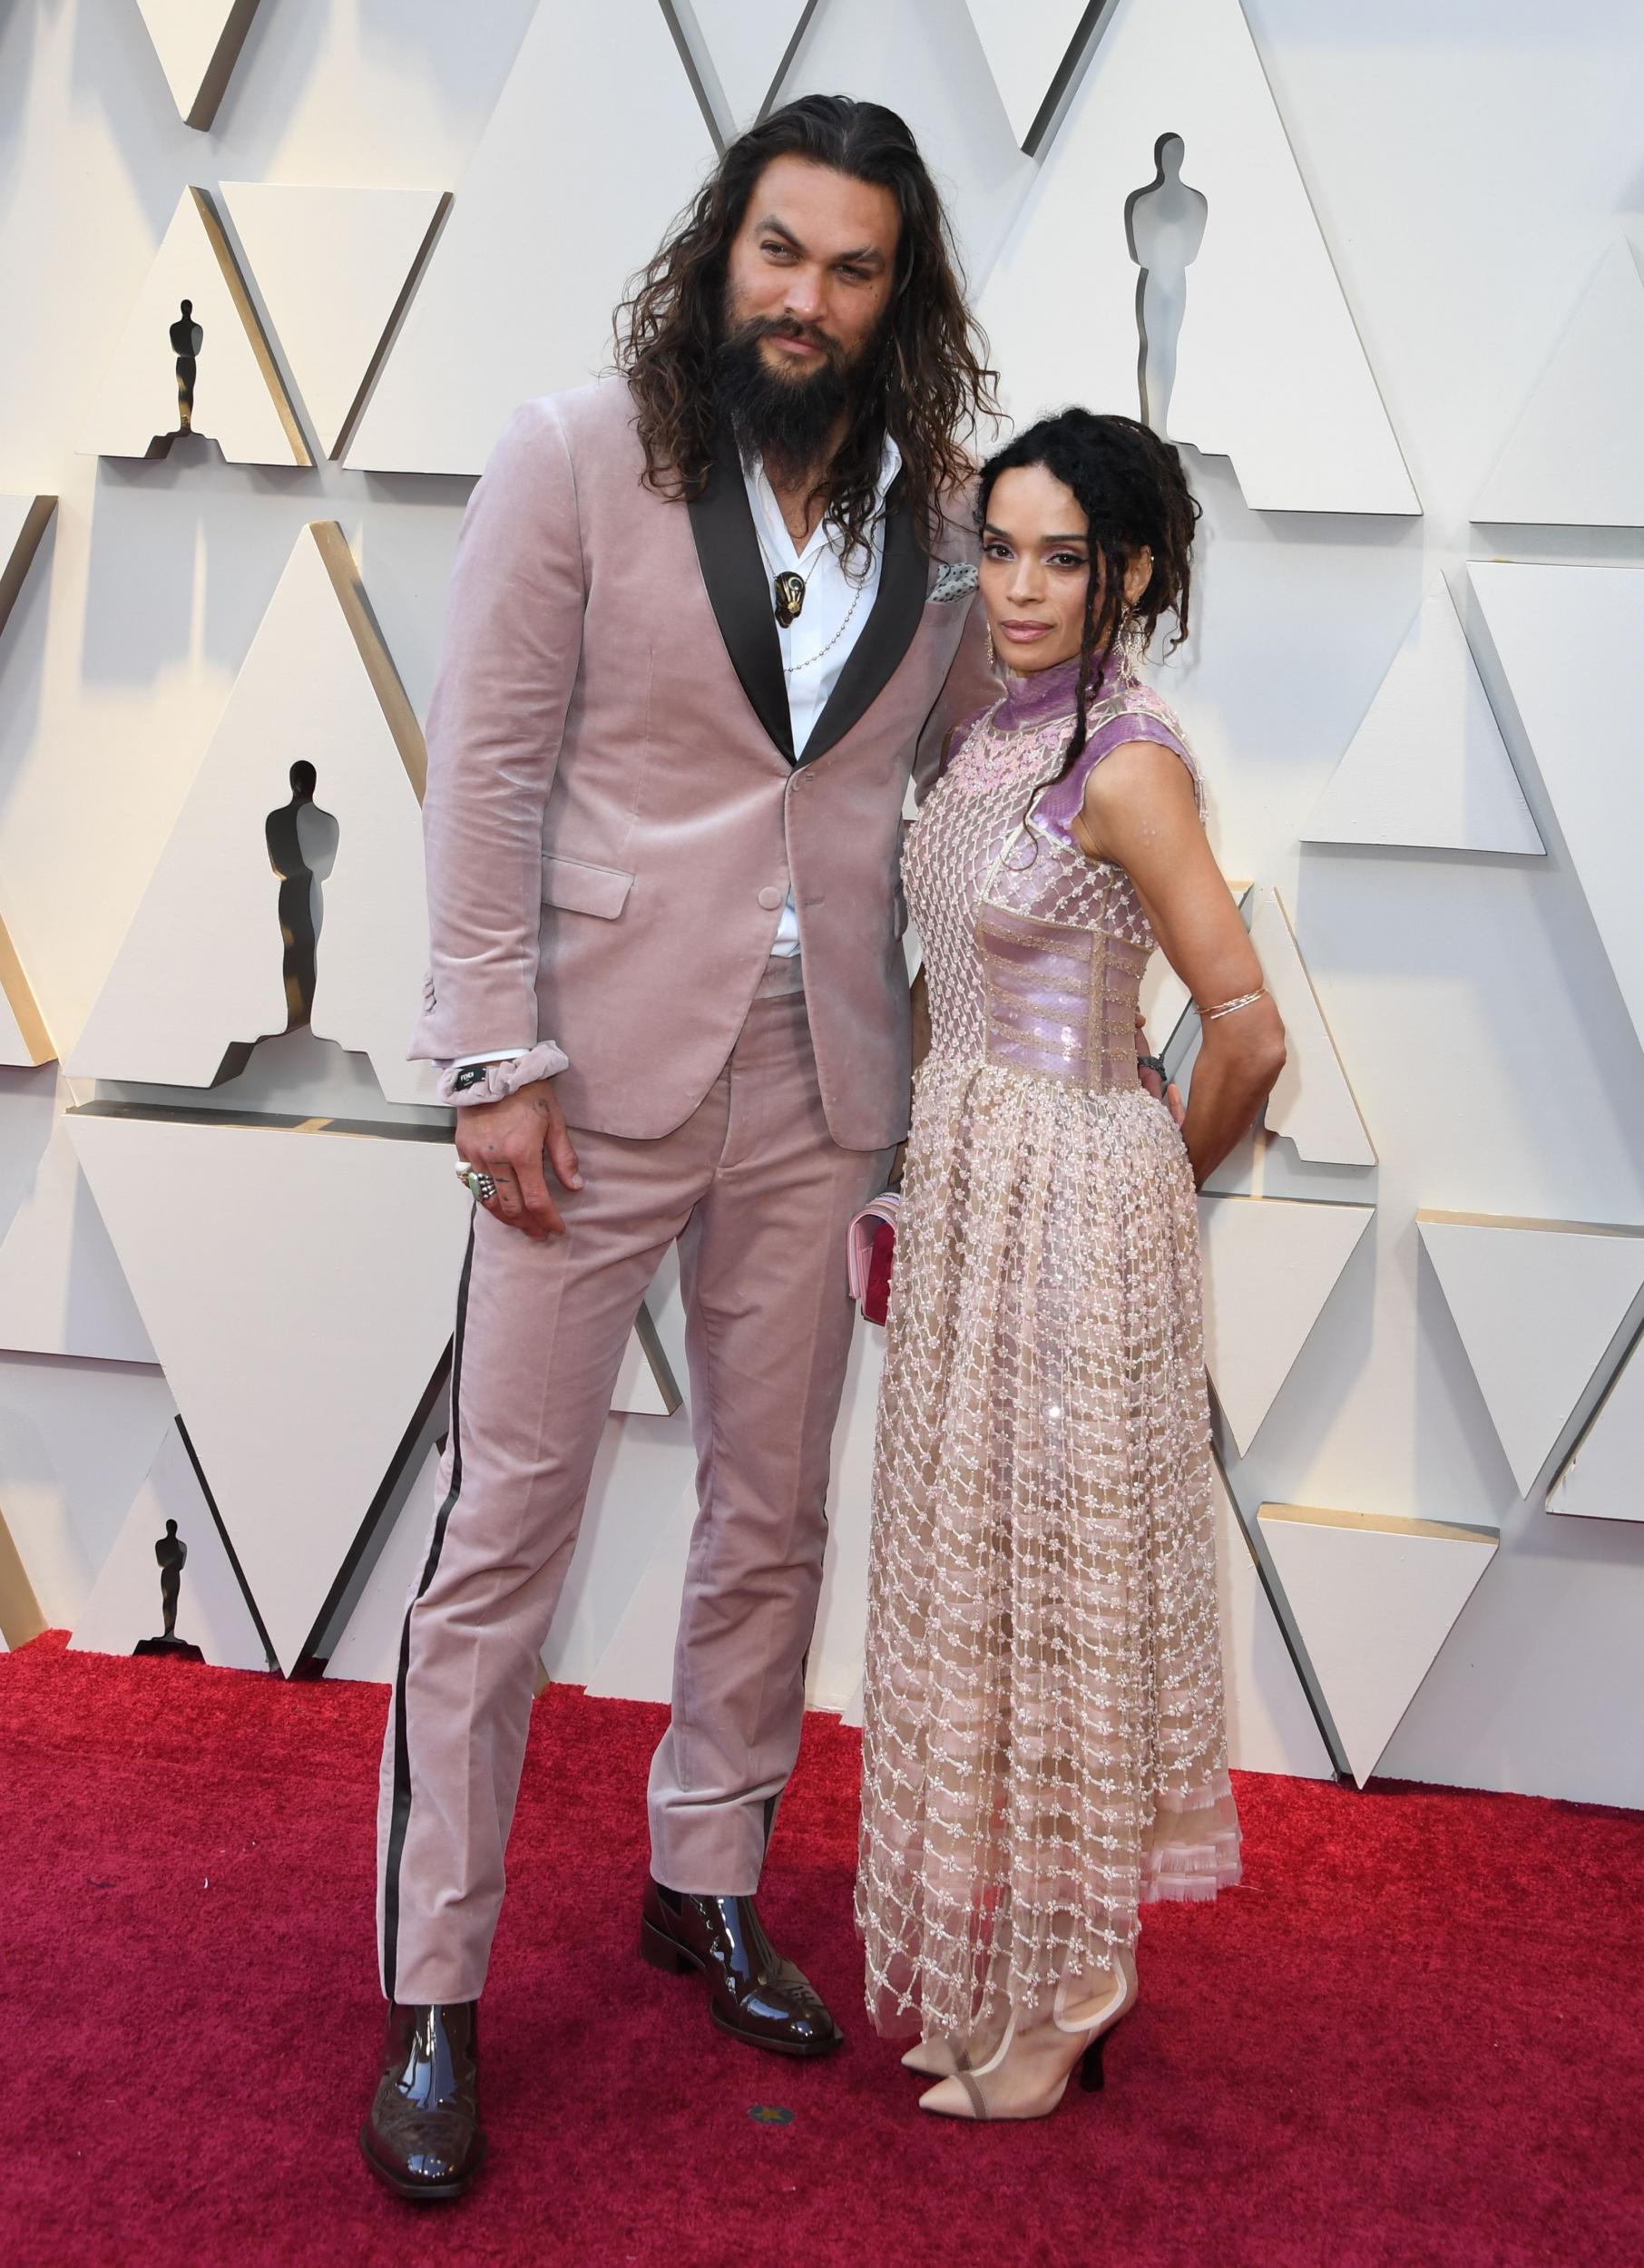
<point x="1130" y="486"/>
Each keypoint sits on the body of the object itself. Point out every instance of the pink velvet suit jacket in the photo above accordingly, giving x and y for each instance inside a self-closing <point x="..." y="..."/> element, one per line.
<point x="613" y="816"/>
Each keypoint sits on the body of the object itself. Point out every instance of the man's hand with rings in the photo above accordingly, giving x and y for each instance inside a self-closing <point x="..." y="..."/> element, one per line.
<point x="509" y="1144"/>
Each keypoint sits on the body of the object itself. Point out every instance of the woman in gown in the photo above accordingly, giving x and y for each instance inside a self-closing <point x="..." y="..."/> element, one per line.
<point x="1044" y="1744"/>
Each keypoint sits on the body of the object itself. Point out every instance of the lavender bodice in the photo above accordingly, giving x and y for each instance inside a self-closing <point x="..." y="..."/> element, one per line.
<point x="1034" y="953"/>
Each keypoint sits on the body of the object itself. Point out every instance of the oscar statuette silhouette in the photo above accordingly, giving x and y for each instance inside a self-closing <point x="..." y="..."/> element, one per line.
<point x="170" y="1551"/>
<point x="1165" y="226"/>
<point x="187" y="338"/>
<point x="302" y="847"/>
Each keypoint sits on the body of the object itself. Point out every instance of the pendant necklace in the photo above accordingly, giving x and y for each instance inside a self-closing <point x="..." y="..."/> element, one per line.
<point x="786" y="585"/>
<point x="787" y="601"/>
<point x="792" y="669"/>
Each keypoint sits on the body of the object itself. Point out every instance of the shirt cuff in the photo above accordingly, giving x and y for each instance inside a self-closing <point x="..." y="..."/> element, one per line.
<point x="505" y="1074"/>
<point x="493" y="1055"/>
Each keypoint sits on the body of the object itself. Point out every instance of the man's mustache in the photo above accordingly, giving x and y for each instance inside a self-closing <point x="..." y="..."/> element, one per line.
<point x="787" y="327"/>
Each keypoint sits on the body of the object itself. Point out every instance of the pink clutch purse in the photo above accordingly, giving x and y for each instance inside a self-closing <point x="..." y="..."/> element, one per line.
<point x="870" y="1248"/>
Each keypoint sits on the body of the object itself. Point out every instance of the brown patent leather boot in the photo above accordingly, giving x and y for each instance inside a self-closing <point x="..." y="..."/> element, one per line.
<point x="755" y="1994"/>
<point x="423" y="2137"/>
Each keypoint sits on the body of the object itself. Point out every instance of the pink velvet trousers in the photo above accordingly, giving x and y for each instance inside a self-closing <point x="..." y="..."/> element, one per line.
<point x="758" y="1196"/>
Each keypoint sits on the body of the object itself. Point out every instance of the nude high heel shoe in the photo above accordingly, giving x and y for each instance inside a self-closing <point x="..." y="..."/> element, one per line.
<point x="1029" y="2070"/>
<point x="936" y="2057"/>
<point x="933" y="2059"/>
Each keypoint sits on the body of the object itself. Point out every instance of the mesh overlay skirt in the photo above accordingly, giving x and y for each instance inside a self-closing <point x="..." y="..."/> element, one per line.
<point x="1044" y="1744"/>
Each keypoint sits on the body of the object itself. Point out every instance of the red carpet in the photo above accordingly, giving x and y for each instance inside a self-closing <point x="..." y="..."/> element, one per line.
<point x="1416" y="2036"/>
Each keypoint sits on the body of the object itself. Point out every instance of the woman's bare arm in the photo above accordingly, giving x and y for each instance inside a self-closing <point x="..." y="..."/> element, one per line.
<point x="1140" y="813"/>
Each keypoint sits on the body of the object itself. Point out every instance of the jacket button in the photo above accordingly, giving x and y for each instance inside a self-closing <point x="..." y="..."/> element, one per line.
<point x="771" y="897"/>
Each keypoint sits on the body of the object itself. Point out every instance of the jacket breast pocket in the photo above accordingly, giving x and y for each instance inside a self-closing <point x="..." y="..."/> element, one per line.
<point x="577" y="887"/>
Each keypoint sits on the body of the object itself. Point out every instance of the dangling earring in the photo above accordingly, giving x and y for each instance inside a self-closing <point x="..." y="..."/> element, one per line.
<point x="993" y="658"/>
<point x="1132" y="644"/>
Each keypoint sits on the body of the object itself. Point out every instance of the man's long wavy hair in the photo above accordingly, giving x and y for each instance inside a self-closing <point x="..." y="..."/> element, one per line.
<point x="928" y="382"/>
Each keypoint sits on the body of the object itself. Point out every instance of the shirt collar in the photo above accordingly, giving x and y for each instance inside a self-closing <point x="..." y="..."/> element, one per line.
<point x="890" y="465"/>
<point x="762" y="497"/>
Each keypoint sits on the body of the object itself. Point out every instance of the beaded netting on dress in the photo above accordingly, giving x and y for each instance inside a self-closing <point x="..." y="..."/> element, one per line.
<point x="1044" y="1741"/>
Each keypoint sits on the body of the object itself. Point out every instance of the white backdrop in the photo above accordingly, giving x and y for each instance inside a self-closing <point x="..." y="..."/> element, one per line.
<point x="1472" y="169"/>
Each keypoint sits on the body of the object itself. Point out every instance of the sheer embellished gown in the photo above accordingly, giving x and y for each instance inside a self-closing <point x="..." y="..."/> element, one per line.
<point x="1044" y="1744"/>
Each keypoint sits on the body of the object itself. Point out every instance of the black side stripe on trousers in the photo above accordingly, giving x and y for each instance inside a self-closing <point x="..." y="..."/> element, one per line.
<point x="401" y="1814"/>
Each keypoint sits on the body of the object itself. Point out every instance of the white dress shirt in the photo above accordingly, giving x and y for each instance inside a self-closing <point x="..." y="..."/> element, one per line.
<point x="817" y="645"/>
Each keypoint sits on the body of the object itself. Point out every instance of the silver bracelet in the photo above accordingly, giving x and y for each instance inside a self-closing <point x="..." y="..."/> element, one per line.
<point x="1230" y="1007"/>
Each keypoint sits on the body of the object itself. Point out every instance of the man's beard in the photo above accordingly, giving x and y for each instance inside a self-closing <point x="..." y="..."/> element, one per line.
<point x="786" y="421"/>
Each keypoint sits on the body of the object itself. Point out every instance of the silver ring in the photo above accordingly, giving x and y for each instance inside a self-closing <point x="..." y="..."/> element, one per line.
<point x="480" y="1187"/>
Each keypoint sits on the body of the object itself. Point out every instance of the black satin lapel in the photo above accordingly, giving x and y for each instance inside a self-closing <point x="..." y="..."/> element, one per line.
<point x="728" y="552"/>
<point x="886" y="635"/>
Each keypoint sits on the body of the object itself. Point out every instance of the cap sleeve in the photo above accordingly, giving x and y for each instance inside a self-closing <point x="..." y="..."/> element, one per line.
<point x="1145" y="717"/>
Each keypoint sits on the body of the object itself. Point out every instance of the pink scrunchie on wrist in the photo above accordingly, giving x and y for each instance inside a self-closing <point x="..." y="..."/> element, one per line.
<point x="542" y="1062"/>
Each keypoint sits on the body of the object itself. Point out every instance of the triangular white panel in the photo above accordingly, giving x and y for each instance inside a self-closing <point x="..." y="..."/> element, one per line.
<point x="1269" y="369"/>
<point x="1373" y="1599"/>
<point x="75" y="1442"/>
<point x="1571" y="643"/>
<point x="517" y="296"/>
<point x="740" y="47"/>
<point x="20" y="1616"/>
<point x="1576" y="457"/>
<point x="200" y="967"/>
<point x="368" y="1649"/>
<point x="198" y="43"/>
<point x="125" y="1605"/>
<point x="1271" y="1727"/>
<point x="23" y="523"/>
<point x="299" y="1325"/>
<point x="1536" y="1305"/>
<point x="1025" y="48"/>
<point x="240" y="399"/>
<point x="1604" y="1479"/>
<point x="1270" y="1264"/>
<point x="61" y="1289"/>
<point x="637" y="1664"/>
<point x="1428" y="766"/>
<point x="332" y="266"/>
<point x="25" y="1040"/>
<point x="16" y="1048"/>
<point x="1311" y="1103"/>
<point x="645" y="1385"/>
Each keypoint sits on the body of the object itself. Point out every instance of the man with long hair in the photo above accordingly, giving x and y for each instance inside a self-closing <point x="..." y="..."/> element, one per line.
<point x="705" y="616"/>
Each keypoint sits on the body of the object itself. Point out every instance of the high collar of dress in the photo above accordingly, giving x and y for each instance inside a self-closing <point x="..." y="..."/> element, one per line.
<point x="1037" y="697"/>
